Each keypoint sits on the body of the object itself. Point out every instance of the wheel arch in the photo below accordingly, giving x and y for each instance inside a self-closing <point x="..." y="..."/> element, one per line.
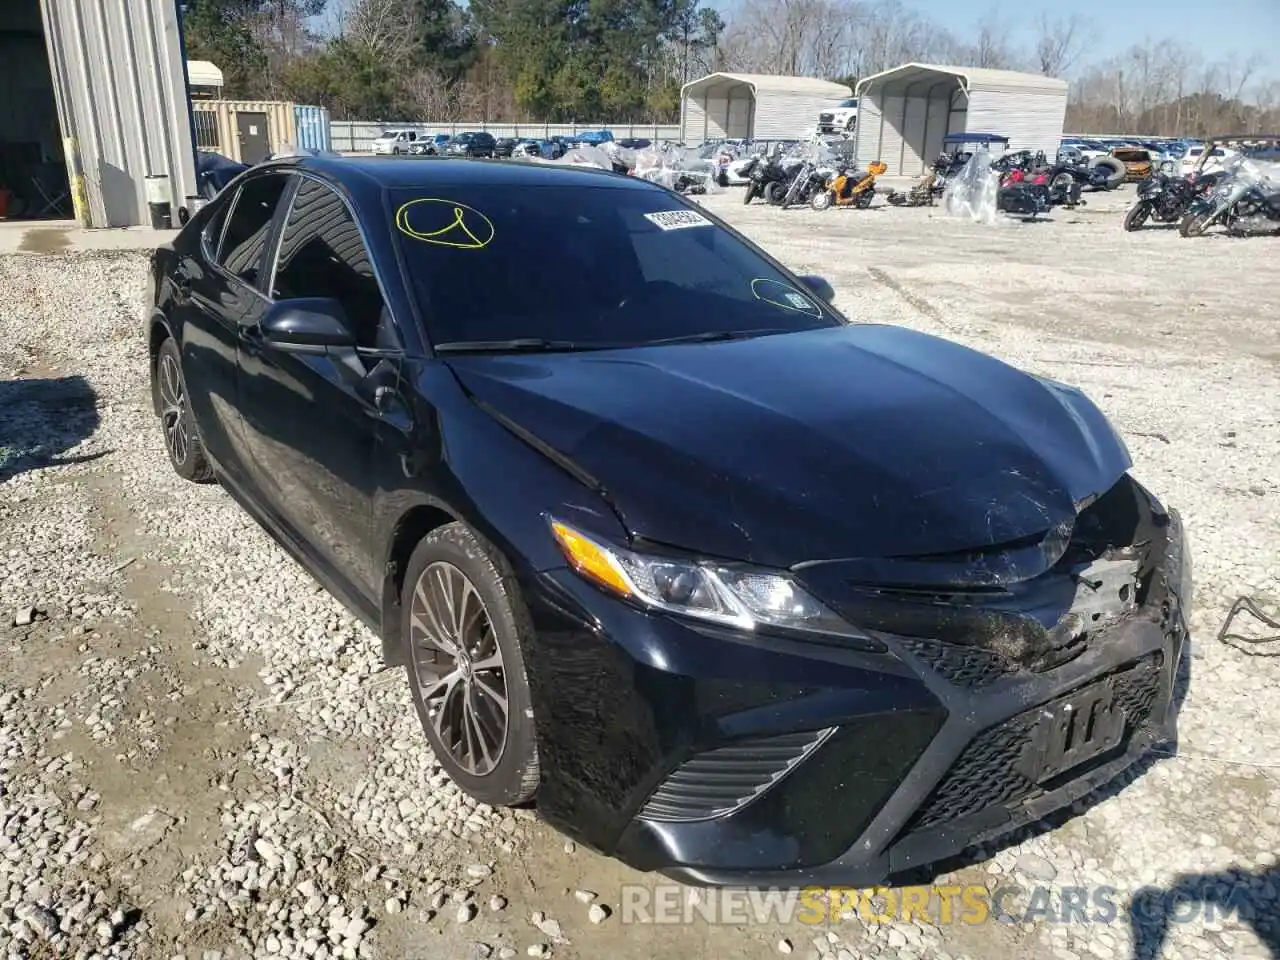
<point x="408" y="531"/>
<point x="158" y="332"/>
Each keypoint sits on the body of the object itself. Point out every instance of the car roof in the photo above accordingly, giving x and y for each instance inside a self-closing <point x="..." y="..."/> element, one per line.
<point x="411" y="172"/>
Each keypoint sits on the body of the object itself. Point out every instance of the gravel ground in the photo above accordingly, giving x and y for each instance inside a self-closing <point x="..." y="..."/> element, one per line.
<point x="201" y="756"/>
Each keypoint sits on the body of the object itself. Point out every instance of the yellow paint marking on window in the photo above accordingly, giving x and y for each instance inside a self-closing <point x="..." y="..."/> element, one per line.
<point x="466" y="228"/>
<point x="791" y="298"/>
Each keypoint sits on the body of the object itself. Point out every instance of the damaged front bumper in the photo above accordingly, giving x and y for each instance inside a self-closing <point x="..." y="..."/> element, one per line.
<point x="726" y="757"/>
<point x="846" y="772"/>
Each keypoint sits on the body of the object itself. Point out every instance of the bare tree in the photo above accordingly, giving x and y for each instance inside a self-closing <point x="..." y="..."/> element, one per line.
<point x="387" y="28"/>
<point x="991" y="47"/>
<point x="1060" y="43"/>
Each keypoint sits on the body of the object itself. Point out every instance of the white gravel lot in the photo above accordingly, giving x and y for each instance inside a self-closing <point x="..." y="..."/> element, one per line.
<point x="199" y="754"/>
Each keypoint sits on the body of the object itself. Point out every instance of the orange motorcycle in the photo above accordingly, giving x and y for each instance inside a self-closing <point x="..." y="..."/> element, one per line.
<point x="850" y="187"/>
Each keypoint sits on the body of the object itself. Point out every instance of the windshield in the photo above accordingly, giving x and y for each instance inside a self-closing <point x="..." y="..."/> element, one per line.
<point x="389" y="134"/>
<point x="591" y="266"/>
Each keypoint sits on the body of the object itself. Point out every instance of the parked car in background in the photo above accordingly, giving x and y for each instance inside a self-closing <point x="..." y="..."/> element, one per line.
<point x="1138" y="162"/>
<point x="1218" y="156"/>
<point x="842" y="118"/>
<point x="504" y="146"/>
<point x="473" y="143"/>
<point x="430" y="145"/>
<point x="395" y="141"/>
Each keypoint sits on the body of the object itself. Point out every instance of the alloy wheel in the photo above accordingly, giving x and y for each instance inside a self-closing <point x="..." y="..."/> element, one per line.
<point x="459" y="667"/>
<point x="173" y="409"/>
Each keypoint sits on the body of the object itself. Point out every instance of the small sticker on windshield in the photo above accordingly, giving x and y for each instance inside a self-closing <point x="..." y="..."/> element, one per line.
<point x="677" y="219"/>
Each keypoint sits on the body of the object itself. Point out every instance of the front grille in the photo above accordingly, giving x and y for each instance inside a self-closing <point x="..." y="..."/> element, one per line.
<point x="723" y="780"/>
<point x="987" y="773"/>
<point x="969" y="667"/>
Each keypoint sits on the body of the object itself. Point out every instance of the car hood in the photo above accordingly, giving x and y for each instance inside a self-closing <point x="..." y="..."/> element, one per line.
<point x="863" y="441"/>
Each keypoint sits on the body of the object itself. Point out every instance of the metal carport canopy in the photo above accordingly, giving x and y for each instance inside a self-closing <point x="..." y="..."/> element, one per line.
<point x="761" y="85"/>
<point x="971" y="78"/>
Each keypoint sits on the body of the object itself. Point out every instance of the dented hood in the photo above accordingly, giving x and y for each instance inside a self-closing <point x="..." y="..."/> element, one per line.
<point x="862" y="441"/>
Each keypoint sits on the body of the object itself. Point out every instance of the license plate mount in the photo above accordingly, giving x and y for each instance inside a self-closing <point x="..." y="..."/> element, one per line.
<point x="1073" y="730"/>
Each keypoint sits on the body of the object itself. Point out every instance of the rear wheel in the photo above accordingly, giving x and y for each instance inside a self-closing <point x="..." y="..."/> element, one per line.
<point x="775" y="192"/>
<point x="181" y="437"/>
<point x="463" y="620"/>
<point x="1137" y="216"/>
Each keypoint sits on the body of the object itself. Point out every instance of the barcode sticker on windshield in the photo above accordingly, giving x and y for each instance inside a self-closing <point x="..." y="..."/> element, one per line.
<point x="677" y="219"/>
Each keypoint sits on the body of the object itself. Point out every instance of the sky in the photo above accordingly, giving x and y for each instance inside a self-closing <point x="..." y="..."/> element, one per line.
<point x="1219" y="29"/>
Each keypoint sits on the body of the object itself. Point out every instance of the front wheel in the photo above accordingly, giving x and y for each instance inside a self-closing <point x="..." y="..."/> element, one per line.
<point x="753" y="191"/>
<point x="1194" y="224"/>
<point x="463" y="619"/>
<point x="820" y="200"/>
<point x="1137" y="216"/>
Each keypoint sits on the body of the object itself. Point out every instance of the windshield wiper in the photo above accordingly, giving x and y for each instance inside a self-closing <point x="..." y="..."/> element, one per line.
<point x="712" y="336"/>
<point x="524" y="345"/>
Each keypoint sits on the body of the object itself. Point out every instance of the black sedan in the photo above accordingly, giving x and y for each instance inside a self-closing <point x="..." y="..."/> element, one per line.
<point x="730" y="586"/>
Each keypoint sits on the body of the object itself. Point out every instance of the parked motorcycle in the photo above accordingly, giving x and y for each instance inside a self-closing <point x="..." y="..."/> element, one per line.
<point x="1164" y="198"/>
<point x="849" y="187"/>
<point x="1246" y="201"/>
<point x="763" y="173"/>
<point x="1028" y="189"/>
<point x="806" y="180"/>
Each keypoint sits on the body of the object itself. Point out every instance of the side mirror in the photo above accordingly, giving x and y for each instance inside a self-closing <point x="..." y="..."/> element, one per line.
<point x="819" y="287"/>
<point x="308" y="325"/>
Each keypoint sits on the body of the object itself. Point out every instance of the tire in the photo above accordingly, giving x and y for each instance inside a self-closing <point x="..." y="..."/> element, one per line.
<point x="1118" y="170"/>
<point x="455" y="555"/>
<point x="1137" y="216"/>
<point x="1194" y="224"/>
<point x="181" y="435"/>
<point x="820" y="200"/>
<point x="866" y="198"/>
<point x="774" y="192"/>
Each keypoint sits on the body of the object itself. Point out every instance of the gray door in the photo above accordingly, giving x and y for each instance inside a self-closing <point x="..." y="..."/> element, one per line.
<point x="254" y="143"/>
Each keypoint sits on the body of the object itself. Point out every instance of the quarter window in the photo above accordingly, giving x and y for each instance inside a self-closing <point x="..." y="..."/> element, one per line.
<point x="245" y="238"/>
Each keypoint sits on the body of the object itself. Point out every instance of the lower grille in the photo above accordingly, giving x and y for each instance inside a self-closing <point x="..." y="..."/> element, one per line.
<point x="970" y="667"/>
<point x="987" y="773"/>
<point x="723" y="780"/>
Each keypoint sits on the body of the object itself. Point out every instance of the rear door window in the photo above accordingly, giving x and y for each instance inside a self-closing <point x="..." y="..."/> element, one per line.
<point x="244" y="241"/>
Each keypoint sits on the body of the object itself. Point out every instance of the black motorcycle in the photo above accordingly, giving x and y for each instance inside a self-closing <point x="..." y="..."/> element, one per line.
<point x="1164" y="198"/>
<point x="804" y="182"/>
<point x="763" y="173"/>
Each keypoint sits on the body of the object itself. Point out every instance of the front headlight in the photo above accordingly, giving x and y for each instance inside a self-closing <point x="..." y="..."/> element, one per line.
<point x="730" y="594"/>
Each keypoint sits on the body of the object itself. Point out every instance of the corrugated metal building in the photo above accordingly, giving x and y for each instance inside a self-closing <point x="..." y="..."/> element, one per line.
<point x="754" y="106"/>
<point x="93" y="100"/>
<point x="904" y="113"/>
